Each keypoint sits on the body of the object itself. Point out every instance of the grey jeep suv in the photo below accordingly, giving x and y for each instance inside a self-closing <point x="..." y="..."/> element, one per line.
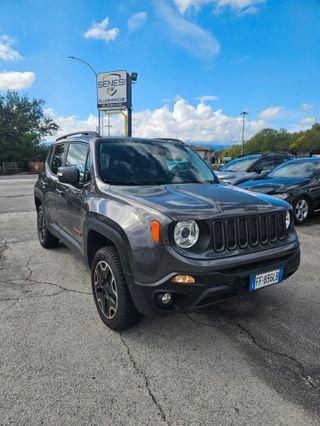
<point x="158" y="231"/>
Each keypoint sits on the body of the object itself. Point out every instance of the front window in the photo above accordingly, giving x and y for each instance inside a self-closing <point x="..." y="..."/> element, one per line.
<point x="300" y="169"/>
<point x="77" y="157"/>
<point x="57" y="157"/>
<point x="151" y="162"/>
<point x="239" y="165"/>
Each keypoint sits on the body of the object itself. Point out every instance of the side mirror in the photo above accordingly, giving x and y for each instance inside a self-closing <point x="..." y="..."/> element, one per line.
<point x="265" y="172"/>
<point x="257" y="170"/>
<point x="68" y="175"/>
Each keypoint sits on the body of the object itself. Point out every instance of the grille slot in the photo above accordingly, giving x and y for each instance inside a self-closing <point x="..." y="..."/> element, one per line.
<point x="218" y="235"/>
<point x="253" y="231"/>
<point x="248" y="231"/>
<point x="231" y="235"/>
<point x="243" y="233"/>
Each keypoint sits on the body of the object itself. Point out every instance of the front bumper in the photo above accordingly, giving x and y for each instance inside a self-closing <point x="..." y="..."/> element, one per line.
<point x="211" y="285"/>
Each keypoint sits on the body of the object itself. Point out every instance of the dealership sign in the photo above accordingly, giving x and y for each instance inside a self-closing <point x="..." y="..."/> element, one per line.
<point x="113" y="91"/>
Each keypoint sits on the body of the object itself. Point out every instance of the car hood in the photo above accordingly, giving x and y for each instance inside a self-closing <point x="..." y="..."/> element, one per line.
<point x="198" y="200"/>
<point x="271" y="186"/>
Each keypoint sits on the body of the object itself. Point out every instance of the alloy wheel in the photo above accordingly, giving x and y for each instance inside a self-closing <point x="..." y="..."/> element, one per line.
<point x="105" y="288"/>
<point x="301" y="210"/>
<point x="41" y="225"/>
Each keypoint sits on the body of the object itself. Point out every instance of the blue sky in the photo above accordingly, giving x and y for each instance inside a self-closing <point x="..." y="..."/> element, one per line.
<point x="200" y="62"/>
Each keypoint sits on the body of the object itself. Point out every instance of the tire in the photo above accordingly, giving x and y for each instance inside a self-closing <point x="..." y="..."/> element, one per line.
<point x="46" y="239"/>
<point x="110" y="291"/>
<point x="301" y="210"/>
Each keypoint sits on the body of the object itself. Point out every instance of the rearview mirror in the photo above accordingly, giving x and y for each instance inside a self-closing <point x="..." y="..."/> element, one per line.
<point x="68" y="175"/>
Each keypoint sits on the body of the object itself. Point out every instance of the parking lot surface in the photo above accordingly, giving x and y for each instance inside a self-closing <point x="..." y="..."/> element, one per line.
<point x="255" y="360"/>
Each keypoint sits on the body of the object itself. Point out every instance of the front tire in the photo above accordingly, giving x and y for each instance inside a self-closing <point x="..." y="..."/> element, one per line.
<point x="301" y="210"/>
<point x="46" y="239"/>
<point x="110" y="291"/>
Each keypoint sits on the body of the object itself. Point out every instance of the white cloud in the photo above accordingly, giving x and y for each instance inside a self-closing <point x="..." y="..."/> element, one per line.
<point x="206" y="98"/>
<point x="270" y="112"/>
<point x="307" y="107"/>
<point x="14" y="80"/>
<point x="7" y="53"/>
<point x="189" y="36"/>
<point x="72" y="123"/>
<point x="307" y="121"/>
<point x="100" y="31"/>
<point x="200" y="124"/>
<point x="137" y="21"/>
<point x="238" y="6"/>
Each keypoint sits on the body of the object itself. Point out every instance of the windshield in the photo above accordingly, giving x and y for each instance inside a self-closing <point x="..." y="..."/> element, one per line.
<point x="299" y="169"/>
<point x="239" y="164"/>
<point x="151" y="162"/>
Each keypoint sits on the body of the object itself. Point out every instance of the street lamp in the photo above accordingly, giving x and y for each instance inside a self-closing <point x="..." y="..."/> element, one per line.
<point x="243" y="114"/>
<point x="95" y="74"/>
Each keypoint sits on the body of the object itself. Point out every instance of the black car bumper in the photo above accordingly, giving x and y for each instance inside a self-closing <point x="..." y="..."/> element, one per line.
<point x="210" y="287"/>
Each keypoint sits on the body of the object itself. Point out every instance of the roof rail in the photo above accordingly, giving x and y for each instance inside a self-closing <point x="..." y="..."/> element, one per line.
<point x="91" y="133"/>
<point x="169" y="139"/>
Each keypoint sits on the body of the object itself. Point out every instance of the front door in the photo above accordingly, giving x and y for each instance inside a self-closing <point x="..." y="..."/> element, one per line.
<point x="72" y="207"/>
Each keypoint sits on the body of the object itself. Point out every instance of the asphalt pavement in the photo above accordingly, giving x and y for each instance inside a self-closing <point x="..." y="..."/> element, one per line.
<point x="255" y="360"/>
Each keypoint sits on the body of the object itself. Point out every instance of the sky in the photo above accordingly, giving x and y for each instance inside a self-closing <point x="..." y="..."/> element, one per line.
<point x="200" y="63"/>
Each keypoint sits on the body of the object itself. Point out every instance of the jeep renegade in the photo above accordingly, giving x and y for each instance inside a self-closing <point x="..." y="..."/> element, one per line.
<point x="158" y="231"/>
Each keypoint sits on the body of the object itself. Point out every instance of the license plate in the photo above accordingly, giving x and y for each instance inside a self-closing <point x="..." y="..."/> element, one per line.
<point x="268" y="278"/>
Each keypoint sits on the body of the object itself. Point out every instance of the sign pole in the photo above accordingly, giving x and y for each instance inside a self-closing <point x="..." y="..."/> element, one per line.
<point x="129" y="131"/>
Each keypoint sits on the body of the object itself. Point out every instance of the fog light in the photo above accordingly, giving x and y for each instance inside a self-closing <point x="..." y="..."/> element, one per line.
<point x="164" y="299"/>
<point x="183" y="279"/>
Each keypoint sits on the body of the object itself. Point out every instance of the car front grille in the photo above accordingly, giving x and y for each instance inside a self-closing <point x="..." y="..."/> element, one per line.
<point x="248" y="231"/>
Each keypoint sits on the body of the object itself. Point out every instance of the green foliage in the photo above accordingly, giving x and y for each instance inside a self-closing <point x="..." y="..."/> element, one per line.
<point x="270" y="140"/>
<point x="308" y="141"/>
<point x="233" y="151"/>
<point x="23" y="124"/>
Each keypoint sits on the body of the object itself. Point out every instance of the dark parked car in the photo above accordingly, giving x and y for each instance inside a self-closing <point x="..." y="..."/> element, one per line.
<point x="251" y="167"/>
<point x="297" y="182"/>
<point x="158" y="231"/>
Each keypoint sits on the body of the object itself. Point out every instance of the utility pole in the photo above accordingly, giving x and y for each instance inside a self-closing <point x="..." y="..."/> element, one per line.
<point x="95" y="75"/>
<point x="243" y="114"/>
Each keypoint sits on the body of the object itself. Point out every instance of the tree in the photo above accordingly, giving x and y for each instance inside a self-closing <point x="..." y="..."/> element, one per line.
<point x="233" y="151"/>
<point x="308" y="141"/>
<point x="23" y="125"/>
<point x="269" y="140"/>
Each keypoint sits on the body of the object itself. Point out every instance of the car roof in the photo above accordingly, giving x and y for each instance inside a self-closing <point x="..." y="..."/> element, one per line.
<point x="304" y="160"/>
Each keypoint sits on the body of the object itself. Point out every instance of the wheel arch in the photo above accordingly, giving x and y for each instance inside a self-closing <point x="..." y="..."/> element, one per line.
<point x="99" y="234"/>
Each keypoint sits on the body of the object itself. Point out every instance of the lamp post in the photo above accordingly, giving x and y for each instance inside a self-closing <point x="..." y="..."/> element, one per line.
<point x="243" y="114"/>
<point x="95" y="75"/>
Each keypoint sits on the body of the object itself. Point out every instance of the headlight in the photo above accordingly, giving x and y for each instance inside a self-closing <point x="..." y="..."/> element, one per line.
<point x="186" y="234"/>
<point x="282" y="196"/>
<point x="288" y="219"/>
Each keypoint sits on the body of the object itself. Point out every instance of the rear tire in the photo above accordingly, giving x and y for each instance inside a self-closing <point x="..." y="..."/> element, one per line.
<point x="301" y="210"/>
<point x="110" y="291"/>
<point x="46" y="239"/>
